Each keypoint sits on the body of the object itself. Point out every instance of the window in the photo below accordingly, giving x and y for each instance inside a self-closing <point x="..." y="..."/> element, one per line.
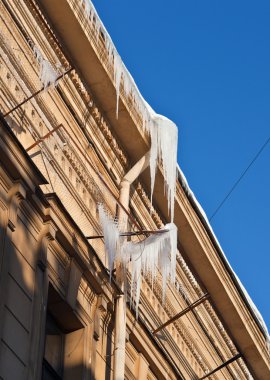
<point x="64" y="341"/>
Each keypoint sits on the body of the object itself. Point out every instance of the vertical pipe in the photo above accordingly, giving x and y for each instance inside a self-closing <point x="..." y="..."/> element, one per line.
<point x="120" y="317"/>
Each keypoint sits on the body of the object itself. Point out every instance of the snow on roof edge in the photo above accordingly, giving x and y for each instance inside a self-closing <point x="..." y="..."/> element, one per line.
<point x="183" y="180"/>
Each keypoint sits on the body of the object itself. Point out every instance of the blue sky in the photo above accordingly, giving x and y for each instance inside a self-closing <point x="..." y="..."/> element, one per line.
<point x="206" y="65"/>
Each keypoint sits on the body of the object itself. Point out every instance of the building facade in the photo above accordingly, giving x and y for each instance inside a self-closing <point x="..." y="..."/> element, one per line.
<point x="63" y="151"/>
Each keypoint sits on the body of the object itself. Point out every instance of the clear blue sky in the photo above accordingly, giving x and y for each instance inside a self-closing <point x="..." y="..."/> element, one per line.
<point x="206" y="65"/>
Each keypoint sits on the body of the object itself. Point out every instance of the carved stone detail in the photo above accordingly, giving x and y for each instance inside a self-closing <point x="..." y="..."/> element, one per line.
<point x="16" y="195"/>
<point x="102" y="316"/>
<point x="86" y="96"/>
<point x="146" y="201"/>
<point x="47" y="235"/>
<point x="73" y="283"/>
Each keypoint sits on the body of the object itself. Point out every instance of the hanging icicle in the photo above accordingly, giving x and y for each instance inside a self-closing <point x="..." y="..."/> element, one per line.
<point x="118" y="68"/>
<point x="156" y="252"/>
<point x="111" y="236"/>
<point x="47" y="74"/>
<point x="163" y="132"/>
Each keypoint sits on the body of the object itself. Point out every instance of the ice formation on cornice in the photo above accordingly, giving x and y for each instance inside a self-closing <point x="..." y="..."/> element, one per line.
<point x="150" y="121"/>
<point x="111" y="236"/>
<point x="162" y="131"/>
<point x="47" y="74"/>
<point x="156" y="253"/>
<point x="164" y="136"/>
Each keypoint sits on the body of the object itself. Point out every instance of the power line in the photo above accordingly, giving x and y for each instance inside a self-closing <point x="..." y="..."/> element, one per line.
<point x="240" y="178"/>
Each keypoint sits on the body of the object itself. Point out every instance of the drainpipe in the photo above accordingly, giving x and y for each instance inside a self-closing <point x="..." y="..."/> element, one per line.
<point x="120" y="317"/>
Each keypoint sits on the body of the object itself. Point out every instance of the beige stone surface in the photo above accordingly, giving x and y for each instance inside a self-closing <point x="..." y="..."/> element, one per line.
<point x="48" y="206"/>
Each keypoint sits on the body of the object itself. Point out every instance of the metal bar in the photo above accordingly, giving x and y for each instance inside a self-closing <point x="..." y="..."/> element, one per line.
<point x="35" y="94"/>
<point x="183" y="312"/>
<point x="222" y="366"/>
<point x="135" y="233"/>
<point x="44" y="137"/>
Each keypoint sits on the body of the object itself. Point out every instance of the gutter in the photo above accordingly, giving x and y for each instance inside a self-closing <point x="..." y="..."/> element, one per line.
<point x="120" y="306"/>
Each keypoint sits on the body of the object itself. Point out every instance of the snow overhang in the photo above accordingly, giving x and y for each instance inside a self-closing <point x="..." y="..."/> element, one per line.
<point x="196" y="239"/>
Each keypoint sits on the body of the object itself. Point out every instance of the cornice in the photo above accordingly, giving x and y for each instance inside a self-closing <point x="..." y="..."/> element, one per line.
<point x="179" y="327"/>
<point x="147" y="203"/>
<point x="90" y="104"/>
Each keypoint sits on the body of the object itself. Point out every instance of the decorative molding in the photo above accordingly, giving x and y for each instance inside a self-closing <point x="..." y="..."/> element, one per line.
<point x="38" y="113"/>
<point x="101" y="316"/>
<point x="73" y="283"/>
<point x="47" y="235"/>
<point x="146" y="201"/>
<point x="16" y="195"/>
<point x="88" y="99"/>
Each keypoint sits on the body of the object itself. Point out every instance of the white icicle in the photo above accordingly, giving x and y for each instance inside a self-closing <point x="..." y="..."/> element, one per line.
<point x="47" y="74"/>
<point x="173" y="244"/>
<point x="118" y="68"/>
<point x="153" y="157"/>
<point x="164" y="137"/>
<point x="111" y="236"/>
<point x="163" y="132"/>
<point x="156" y="251"/>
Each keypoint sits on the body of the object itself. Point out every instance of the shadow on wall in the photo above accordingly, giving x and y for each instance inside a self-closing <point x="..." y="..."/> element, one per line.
<point x="41" y="338"/>
<point x="39" y="331"/>
<point x="17" y="280"/>
<point x="109" y="350"/>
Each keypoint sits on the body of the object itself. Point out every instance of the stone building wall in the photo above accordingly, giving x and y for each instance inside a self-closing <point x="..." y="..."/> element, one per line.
<point x="57" y="303"/>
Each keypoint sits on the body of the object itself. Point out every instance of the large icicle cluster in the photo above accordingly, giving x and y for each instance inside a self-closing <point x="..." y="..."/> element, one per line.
<point x="47" y="74"/>
<point x="164" y="136"/>
<point x="156" y="253"/>
<point x="163" y="132"/>
<point x="111" y="236"/>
